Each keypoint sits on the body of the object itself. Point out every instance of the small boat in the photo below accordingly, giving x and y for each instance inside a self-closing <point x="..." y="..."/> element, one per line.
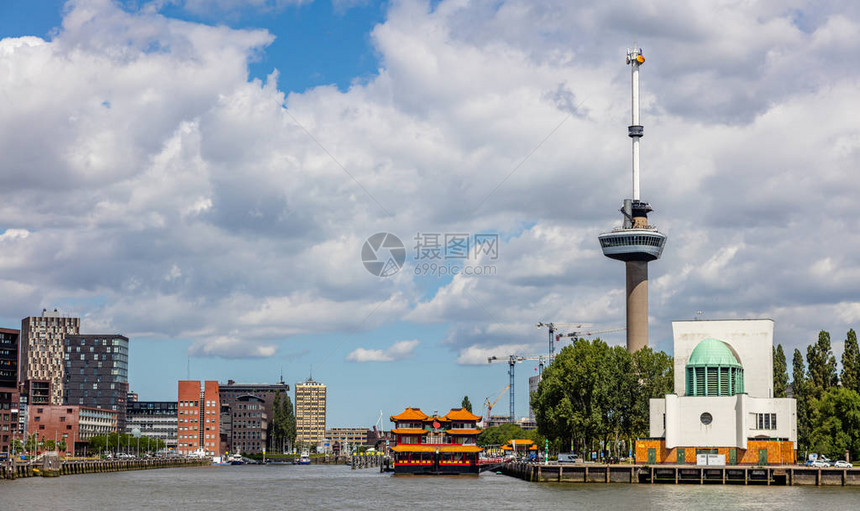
<point x="236" y="459"/>
<point x="304" y="459"/>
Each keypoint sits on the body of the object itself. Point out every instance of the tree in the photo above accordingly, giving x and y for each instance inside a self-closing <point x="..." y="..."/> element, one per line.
<point x="504" y="433"/>
<point x="592" y="392"/>
<point x="289" y="419"/>
<point x="800" y="392"/>
<point x="851" y="362"/>
<point x="836" y="427"/>
<point x="780" y="372"/>
<point x="821" y="365"/>
<point x="467" y="404"/>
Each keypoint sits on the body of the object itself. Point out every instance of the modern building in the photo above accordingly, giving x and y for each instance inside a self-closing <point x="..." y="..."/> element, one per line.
<point x="9" y="358"/>
<point x="310" y="405"/>
<point x="436" y="445"/>
<point x="41" y="351"/>
<point x="235" y="398"/>
<point x="154" y="419"/>
<point x="723" y="400"/>
<point x="351" y="437"/>
<point x="8" y="387"/>
<point x="72" y="423"/>
<point x="198" y="418"/>
<point x="96" y="372"/>
<point x="635" y="242"/>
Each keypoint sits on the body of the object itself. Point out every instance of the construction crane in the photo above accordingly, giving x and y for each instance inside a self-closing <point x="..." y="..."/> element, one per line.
<point x="512" y="362"/>
<point x="490" y="405"/>
<point x="588" y="333"/>
<point x="553" y="327"/>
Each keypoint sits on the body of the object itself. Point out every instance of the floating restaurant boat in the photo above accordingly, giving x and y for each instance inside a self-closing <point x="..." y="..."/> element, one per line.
<point x="436" y="445"/>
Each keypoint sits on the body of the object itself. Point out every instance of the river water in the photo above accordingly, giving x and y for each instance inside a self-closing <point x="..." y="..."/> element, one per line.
<point x="338" y="487"/>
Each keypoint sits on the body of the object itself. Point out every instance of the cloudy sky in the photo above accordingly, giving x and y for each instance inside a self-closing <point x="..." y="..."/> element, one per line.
<point x="201" y="176"/>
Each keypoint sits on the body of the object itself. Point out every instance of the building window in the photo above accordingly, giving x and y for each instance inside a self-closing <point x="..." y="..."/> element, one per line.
<point x="766" y="421"/>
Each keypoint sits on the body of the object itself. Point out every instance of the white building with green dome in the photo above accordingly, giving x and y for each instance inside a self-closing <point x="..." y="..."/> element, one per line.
<point x="723" y="401"/>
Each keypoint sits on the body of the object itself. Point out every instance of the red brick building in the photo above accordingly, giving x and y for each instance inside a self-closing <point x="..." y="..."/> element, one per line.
<point x="74" y="424"/>
<point x="198" y="421"/>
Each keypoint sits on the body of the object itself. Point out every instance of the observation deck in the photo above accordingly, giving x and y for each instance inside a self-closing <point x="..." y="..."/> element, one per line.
<point x="633" y="244"/>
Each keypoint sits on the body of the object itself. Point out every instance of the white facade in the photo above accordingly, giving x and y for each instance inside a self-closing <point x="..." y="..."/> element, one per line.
<point x="724" y="421"/>
<point x="751" y="340"/>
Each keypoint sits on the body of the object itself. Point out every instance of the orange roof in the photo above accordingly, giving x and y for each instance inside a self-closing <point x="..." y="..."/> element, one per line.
<point x="463" y="431"/>
<point x="408" y="431"/>
<point x="509" y="448"/>
<point x="409" y="414"/>
<point x="434" y="448"/>
<point x="461" y="414"/>
<point x="520" y="441"/>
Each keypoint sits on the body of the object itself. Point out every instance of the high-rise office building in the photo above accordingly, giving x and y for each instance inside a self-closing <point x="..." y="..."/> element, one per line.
<point x="310" y="412"/>
<point x="96" y="372"/>
<point x="198" y="418"/>
<point x="41" y="354"/>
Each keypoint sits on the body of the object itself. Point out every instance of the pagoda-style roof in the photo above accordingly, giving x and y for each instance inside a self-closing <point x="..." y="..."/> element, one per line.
<point x="461" y="414"/>
<point x="409" y="431"/>
<point x="509" y="448"/>
<point x="434" y="448"/>
<point x="410" y="414"/>
<point x="463" y="431"/>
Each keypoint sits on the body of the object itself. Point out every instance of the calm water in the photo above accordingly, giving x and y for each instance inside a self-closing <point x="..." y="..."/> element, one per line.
<point x="338" y="487"/>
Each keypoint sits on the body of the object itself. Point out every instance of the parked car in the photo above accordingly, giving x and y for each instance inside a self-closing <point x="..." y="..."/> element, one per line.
<point x="819" y="464"/>
<point x="842" y="464"/>
<point x="567" y="458"/>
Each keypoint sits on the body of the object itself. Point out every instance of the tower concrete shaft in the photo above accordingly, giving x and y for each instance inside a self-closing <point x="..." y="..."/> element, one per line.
<point x="637" y="305"/>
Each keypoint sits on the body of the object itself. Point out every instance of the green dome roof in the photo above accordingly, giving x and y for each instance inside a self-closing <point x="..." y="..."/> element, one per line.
<point x="713" y="353"/>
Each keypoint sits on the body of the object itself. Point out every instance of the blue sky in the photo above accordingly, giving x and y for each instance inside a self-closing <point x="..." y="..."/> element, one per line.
<point x="201" y="175"/>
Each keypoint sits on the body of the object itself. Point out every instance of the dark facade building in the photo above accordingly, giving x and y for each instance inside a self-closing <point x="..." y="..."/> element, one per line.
<point x="8" y="387"/>
<point x="247" y="419"/>
<point x="96" y="373"/>
<point x="154" y="419"/>
<point x="9" y="358"/>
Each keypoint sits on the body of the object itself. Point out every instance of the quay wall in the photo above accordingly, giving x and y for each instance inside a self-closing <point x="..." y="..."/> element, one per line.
<point x="12" y="470"/>
<point x="787" y="475"/>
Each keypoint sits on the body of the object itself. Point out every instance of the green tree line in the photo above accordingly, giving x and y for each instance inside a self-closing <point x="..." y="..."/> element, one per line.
<point x="123" y="442"/>
<point x="828" y="401"/>
<point x="594" y="396"/>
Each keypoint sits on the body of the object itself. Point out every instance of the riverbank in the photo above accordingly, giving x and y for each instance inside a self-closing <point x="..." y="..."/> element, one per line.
<point x="788" y="475"/>
<point x="13" y="470"/>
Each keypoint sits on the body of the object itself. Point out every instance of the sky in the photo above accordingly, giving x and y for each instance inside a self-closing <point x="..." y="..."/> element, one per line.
<point x="206" y="177"/>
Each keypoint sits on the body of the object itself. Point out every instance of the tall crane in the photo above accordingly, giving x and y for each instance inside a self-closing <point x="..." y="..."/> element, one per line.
<point x="512" y="362"/>
<point x="588" y="333"/>
<point x="553" y="327"/>
<point x="490" y="405"/>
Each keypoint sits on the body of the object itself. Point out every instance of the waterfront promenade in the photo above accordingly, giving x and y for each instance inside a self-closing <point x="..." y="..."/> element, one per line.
<point x="784" y="475"/>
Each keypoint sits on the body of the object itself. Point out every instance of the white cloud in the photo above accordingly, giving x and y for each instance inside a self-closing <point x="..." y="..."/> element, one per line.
<point x="397" y="351"/>
<point x="230" y="347"/>
<point x="144" y="171"/>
